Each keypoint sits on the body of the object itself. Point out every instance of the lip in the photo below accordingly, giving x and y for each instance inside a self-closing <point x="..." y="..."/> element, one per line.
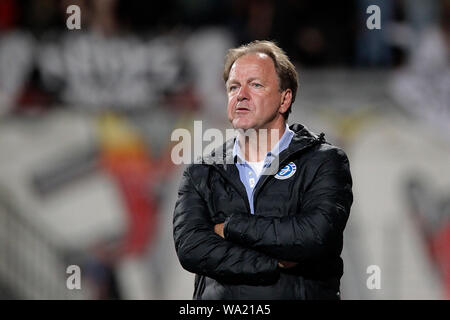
<point x="242" y="109"/>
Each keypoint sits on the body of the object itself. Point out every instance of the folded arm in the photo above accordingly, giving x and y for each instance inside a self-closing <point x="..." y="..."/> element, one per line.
<point x="315" y="229"/>
<point x="202" y="251"/>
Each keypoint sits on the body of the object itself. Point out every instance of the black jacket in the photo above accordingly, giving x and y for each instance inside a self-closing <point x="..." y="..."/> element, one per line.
<point x="298" y="219"/>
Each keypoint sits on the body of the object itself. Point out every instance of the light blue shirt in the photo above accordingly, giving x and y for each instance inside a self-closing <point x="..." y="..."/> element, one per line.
<point x="248" y="176"/>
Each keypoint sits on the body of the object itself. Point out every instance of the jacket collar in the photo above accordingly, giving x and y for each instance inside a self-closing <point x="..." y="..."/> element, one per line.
<point x="302" y="138"/>
<point x="282" y="144"/>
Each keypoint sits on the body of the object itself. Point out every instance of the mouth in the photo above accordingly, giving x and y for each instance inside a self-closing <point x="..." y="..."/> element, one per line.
<point x="242" y="109"/>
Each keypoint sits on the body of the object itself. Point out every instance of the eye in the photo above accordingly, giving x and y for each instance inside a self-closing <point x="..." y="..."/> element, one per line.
<point x="256" y="85"/>
<point x="232" y="88"/>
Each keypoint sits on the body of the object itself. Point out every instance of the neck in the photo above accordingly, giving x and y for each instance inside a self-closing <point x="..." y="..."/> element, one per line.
<point x="256" y="143"/>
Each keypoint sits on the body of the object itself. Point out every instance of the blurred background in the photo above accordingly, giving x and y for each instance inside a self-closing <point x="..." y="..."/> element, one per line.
<point x="86" y="118"/>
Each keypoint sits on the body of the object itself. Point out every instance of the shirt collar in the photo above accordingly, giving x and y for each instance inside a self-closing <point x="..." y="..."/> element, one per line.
<point x="281" y="145"/>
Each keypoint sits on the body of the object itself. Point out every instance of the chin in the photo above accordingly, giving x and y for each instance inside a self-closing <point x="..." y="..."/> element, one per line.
<point x="244" y="125"/>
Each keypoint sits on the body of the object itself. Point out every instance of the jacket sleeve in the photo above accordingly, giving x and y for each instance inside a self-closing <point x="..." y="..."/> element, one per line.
<point x="200" y="250"/>
<point x="315" y="230"/>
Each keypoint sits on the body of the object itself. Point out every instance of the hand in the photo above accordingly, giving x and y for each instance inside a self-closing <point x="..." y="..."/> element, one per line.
<point x="218" y="228"/>
<point x="286" y="264"/>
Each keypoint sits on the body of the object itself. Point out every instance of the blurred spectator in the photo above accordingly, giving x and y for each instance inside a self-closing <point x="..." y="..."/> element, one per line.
<point x="373" y="45"/>
<point x="311" y="33"/>
<point x="421" y="14"/>
<point x="422" y="87"/>
<point x="16" y="55"/>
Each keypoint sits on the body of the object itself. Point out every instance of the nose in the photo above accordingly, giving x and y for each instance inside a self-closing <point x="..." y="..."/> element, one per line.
<point x="243" y="93"/>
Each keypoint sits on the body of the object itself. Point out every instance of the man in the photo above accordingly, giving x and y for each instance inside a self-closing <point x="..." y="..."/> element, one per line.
<point x="247" y="232"/>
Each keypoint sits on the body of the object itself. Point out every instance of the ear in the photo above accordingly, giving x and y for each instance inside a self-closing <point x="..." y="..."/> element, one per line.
<point x="286" y="98"/>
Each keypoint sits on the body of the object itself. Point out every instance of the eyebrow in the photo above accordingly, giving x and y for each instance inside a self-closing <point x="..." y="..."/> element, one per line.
<point x="230" y="81"/>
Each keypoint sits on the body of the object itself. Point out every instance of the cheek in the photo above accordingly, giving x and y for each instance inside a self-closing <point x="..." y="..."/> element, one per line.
<point x="271" y="102"/>
<point x="231" y="102"/>
<point x="263" y="103"/>
<point x="229" y="110"/>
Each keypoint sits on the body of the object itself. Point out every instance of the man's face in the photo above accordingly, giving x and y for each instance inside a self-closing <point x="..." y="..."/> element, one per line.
<point x="254" y="98"/>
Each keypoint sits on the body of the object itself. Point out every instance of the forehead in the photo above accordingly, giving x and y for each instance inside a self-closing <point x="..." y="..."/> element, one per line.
<point x="253" y="64"/>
